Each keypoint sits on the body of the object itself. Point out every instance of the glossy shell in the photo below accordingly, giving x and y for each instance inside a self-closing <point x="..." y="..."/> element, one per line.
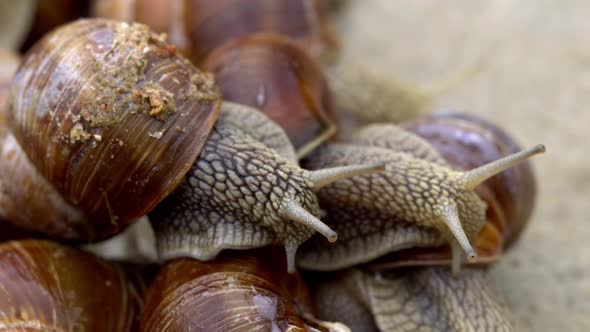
<point x="111" y="117"/>
<point x="465" y="142"/>
<point x="238" y="291"/>
<point x="199" y="26"/>
<point x="278" y="77"/>
<point x="50" y="287"/>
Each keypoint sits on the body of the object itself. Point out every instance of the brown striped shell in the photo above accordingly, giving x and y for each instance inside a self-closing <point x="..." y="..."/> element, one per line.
<point x="466" y="142"/>
<point x="238" y="291"/>
<point x="279" y="78"/>
<point x="111" y="118"/>
<point x="9" y="62"/>
<point x="37" y="200"/>
<point x="199" y="26"/>
<point x="45" y="286"/>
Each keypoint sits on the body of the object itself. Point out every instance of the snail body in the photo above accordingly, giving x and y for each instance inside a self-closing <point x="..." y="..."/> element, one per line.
<point x="94" y="91"/>
<point x="51" y="287"/>
<point x="420" y="202"/>
<point x="464" y="142"/>
<point x="409" y="299"/>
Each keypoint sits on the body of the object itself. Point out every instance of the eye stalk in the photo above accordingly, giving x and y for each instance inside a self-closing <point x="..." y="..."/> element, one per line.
<point x="471" y="179"/>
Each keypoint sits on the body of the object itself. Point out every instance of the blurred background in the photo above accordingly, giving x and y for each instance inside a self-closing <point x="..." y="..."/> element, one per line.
<point x="532" y="78"/>
<point x="534" y="81"/>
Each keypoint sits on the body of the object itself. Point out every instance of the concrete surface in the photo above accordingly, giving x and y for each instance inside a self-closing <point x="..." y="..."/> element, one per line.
<point x="535" y="82"/>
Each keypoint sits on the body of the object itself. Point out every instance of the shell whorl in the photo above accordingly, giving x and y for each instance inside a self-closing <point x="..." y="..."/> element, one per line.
<point x="47" y="286"/>
<point x="110" y="118"/>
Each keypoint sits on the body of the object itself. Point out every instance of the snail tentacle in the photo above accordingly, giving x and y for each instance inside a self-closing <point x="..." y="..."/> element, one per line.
<point x="471" y="179"/>
<point x="308" y="147"/>
<point x="296" y="212"/>
<point x="450" y="216"/>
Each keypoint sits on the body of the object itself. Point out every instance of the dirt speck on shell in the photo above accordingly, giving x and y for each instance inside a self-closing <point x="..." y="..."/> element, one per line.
<point x="120" y="87"/>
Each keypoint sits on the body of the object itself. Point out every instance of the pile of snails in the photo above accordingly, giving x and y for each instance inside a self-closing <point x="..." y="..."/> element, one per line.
<point x="219" y="121"/>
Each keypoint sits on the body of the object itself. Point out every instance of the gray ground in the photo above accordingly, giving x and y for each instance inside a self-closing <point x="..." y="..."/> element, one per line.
<point x="535" y="82"/>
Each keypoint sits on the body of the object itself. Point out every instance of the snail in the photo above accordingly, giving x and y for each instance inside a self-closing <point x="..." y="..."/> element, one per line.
<point x="238" y="291"/>
<point x="197" y="27"/>
<point x="396" y="272"/>
<point x="94" y="91"/>
<point x="419" y="201"/>
<point x="48" y="286"/>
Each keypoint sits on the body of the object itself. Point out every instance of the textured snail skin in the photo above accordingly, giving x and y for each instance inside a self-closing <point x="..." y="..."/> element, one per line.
<point x="241" y="194"/>
<point x="465" y="142"/>
<point x="111" y="118"/>
<point x="475" y="142"/>
<point x="199" y="26"/>
<point x="45" y="286"/>
<point x="395" y="210"/>
<point x="232" y="199"/>
<point x="275" y="75"/>
<point x="412" y="299"/>
<point x="238" y="291"/>
<point x="419" y="201"/>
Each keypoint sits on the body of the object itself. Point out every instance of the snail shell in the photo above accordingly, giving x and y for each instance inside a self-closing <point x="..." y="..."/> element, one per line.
<point x="50" y="287"/>
<point x="274" y="75"/>
<point x="94" y="91"/>
<point x="199" y="26"/>
<point x="238" y="291"/>
<point x="9" y="62"/>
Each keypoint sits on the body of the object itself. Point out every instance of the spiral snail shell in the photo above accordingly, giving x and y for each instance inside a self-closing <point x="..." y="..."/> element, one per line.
<point x="47" y="286"/>
<point x="238" y="291"/>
